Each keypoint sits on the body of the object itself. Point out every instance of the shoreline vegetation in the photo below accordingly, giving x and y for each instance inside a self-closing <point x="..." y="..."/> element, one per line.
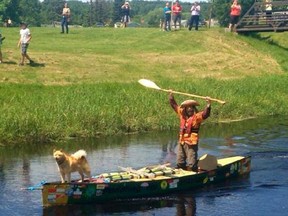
<point x="84" y="84"/>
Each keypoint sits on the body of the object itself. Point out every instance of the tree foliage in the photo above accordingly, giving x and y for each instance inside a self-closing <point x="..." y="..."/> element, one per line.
<point x="80" y="13"/>
<point x="8" y="9"/>
<point x="116" y="14"/>
<point x="31" y="7"/>
<point x="90" y="13"/>
<point x="102" y="11"/>
<point x="51" y="10"/>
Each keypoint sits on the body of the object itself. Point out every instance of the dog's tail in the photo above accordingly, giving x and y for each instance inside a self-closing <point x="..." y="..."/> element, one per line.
<point x="80" y="154"/>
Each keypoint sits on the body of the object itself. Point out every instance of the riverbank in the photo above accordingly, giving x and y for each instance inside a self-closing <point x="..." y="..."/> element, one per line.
<point x="85" y="85"/>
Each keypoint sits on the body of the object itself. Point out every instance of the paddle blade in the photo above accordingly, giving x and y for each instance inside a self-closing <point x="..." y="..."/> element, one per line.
<point x="148" y="84"/>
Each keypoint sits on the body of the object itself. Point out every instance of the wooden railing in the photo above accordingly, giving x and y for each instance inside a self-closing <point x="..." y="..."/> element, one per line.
<point x="258" y="19"/>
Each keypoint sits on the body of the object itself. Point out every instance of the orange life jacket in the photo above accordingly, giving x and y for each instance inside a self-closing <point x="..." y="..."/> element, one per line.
<point x="189" y="128"/>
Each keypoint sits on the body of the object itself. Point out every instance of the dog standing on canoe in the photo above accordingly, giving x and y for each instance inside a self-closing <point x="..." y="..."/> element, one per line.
<point x="76" y="162"/>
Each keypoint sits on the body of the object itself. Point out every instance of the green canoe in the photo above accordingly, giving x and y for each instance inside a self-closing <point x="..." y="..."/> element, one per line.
<point x="146" y="182"/>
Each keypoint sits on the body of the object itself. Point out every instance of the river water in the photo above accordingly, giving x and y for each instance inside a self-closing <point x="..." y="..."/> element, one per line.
<point x="264" y="192"/>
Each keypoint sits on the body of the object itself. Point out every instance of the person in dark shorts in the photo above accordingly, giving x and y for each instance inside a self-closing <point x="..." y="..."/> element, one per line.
<point x="235" y="13"/>
<point x="1" y="39"/>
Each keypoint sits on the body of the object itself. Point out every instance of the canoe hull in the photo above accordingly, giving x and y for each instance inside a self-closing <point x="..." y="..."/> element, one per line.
<point x="57" y="193"/>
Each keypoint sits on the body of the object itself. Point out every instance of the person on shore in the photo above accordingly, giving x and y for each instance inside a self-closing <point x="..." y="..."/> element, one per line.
<point x="125" y="14"/>
<point x="65" y="18"/>
<point x="24" y="40"/>
<point x="9" y="23"/>
<point x="176" y="12"/>
<point x="161" y="24"/>
<point x="167" y="17"/>
<point x="1" y="39"/>
<point x="190" y="122"/>
<point x="195" y="14"/>
<point x="235" y="13"/>
<point x="268" y="9"/>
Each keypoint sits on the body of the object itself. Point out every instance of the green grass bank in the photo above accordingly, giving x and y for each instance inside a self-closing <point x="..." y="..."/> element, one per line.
<point x="84" y="84"/>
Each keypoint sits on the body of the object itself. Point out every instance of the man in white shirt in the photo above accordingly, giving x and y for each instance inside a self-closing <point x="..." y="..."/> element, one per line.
<point x="195" y="13"/>
<point x="25" y="37"/>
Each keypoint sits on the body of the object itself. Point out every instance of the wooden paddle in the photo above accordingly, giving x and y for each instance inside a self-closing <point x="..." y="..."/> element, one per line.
<point x="150" y="84"/>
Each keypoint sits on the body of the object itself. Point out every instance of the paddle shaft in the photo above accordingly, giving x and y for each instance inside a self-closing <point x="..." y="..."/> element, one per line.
<point x="151" y="84"/>
<point x="192" y="95"/>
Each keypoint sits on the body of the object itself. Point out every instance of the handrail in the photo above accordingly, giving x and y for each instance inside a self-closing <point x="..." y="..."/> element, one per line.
<point x="257" y="16"/>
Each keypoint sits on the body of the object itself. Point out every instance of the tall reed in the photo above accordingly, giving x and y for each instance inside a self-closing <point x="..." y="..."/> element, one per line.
<point x="37" y="113"/>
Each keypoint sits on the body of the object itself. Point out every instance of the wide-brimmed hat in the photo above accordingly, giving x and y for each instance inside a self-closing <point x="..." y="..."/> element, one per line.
<point x="188" y="103"/>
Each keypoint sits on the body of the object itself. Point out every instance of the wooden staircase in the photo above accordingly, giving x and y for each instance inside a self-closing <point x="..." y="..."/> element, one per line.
<point x="256" y="18"/>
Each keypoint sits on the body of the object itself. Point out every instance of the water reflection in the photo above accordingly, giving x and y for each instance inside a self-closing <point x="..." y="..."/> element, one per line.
<point x="184" y="205"/>
<point x="169" y="151"/>
<point x="25" y="172"/>
<point x="180" y="204"/>
<point x="253" y="132"/>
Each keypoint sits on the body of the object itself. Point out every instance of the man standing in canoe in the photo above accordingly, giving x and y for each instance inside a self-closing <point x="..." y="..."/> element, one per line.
<point x="190" y="122"/>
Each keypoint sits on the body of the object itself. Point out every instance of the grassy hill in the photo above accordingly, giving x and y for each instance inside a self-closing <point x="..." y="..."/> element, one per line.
<point x="85" y="83"/>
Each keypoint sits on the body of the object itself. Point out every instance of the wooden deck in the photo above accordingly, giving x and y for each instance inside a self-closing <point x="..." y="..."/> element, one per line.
<point x="258" y="19"/>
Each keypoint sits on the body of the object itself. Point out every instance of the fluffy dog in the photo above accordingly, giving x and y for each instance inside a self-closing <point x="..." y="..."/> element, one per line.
<point x="72" y="163"/>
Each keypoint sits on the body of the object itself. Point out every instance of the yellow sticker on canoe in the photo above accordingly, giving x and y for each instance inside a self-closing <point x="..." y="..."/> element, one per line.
<point x="164" y="185"/>
<point x="100" y="187"/>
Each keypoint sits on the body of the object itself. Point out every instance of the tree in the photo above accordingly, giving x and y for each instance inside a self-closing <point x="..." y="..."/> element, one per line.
<point x="9" y="9"/>
<point x="51" y="10"/>
<point x="154" y="16"/>
<point x="100" y="11"/>
<point x="3" y="7"/>
<point x="116" y="17"/>
<point x="29" y="12"/>
<point x="79" y="13"/>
